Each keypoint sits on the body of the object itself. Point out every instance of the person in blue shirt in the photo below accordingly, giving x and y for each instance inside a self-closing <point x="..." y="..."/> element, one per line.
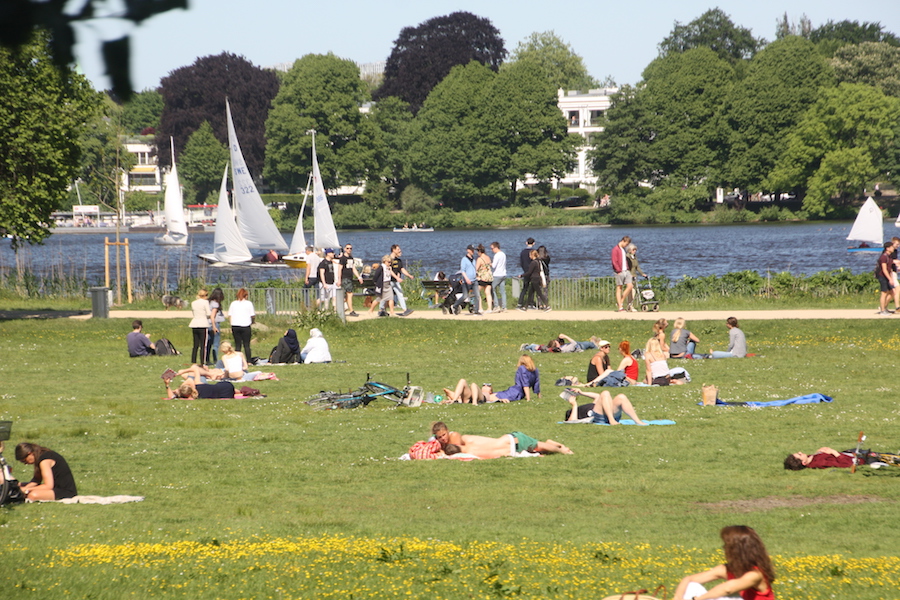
<point x="469" y="279"/>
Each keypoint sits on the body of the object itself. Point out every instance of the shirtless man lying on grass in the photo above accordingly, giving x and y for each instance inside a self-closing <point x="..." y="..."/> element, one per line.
<point x="485" y="447"/>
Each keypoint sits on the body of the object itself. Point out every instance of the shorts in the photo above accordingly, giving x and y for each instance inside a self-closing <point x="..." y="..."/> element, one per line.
<point x="601" y="418"/>
<point x="347" y="286"/>
<point x="524" y="442"/>
<point x="485" y="283"/>
<point x="624" y="278"/>
<point x="663" y="380"/>
<point x="885" y="283"/>
<point x="326" y="292"/>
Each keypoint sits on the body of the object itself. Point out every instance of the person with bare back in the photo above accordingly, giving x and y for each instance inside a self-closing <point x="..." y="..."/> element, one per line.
<point x="505" y="445"/>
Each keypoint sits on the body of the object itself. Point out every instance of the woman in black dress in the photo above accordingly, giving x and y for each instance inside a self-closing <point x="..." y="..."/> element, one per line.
<point x="52" y="479"/>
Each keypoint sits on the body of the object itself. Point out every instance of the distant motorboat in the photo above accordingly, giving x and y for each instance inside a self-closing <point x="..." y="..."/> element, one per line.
<point x="868" y="229"/>
<point x="414" y="229"/>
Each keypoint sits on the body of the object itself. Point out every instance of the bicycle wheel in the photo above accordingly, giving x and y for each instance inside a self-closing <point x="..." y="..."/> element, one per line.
<point x="333" y="400"/>
<point x="4" y="488"/>
<point x="382" y="390"/>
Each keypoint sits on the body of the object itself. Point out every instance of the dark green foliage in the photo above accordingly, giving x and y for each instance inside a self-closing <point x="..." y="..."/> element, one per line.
<point x="324" y="93"/>
<point x="873" y="63"/>
<point x="833" y="35"/>
<point x="201" y="163"/>
<point x="197" y="93"/>
<point x="141" y="114"/>
<point x="39" y="148"/>
<point x="103" y="157"/>
<point x="423" y="55"/>
<point x="563" y="67"/>
<point x="715" y="30"/>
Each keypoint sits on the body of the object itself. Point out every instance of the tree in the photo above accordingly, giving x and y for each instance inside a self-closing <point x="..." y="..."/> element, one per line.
<point x="872" y="63"/>
<point x="197" y="93"/>
<point x="42" y="115"/>
<point x="393" y="124"/>
<point x="104" y="160"/>
<point x="522" y="121"/>
<point x="22" y="17"/>
<point x="784" y="27"/>
<point x="450" y="154"/>
<point x="142" y="112"/>
<point x="831" y="36"/>
<point x="321" y="92"/>
<point x="847" y="138"/>
<point x="201" y="163"/>
<point x="563" y="68"/>
<point x="423" y="55"/>
<point x="715" y="30"/>
<point x="783" y="80"/>
<point x="621" y="156"/>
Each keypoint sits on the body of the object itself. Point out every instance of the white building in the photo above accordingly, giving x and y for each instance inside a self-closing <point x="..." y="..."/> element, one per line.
<point x="145" y="175"/>
<point x="584" y="112"/>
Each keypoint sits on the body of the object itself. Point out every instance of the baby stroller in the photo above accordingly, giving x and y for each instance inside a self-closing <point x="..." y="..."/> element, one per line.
<point x="645" y="295"/>
<point x="456" y="290"/>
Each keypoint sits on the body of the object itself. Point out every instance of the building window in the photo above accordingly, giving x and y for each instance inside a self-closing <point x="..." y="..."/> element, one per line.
<point x="141" y="179"/>
<point x="596" y="117"/>
<point x="573" y="118"/>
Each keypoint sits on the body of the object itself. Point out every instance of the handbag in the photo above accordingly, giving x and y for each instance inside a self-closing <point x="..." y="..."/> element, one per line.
<point x="640" y="595"/>
<point x="710" y="394"/>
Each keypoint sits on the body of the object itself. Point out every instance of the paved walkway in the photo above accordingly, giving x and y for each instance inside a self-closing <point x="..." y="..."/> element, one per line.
<point x="513" y="315"/>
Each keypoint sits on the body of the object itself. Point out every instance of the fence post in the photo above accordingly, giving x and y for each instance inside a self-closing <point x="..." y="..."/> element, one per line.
<point x="271" y="307"/>
<point x="341" y="309"/>
<point x="516" y="288"/>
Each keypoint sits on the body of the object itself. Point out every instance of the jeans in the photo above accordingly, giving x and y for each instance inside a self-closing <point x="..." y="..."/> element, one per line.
<point x="526" y="287"/>
<point x="691" y="347"/>
<point x="720" y="354"/>
<point x="212" y="350"/>
<point x="586" y="345"/>
<point x="499" y="283"/>
<point x="467" y="293"/>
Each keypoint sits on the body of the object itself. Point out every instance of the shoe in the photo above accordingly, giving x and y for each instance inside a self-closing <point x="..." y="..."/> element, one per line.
<point x="522" y="308"/>
<point x="406" y="312"/>
<point x="632" y="309"/>
<point x="353" y="314"/>
<point x="381" y="313"/>
<point x="620" y="309"/>
<point x="547" y="309"/>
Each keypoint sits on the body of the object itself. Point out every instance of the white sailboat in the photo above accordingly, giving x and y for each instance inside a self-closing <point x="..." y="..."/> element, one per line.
<point x="176" y="228"/>
<point x="254" y="226"/>
<point x="228" y="245"/>
<point x="324" y="233"/>
<point x="868" y="229"/>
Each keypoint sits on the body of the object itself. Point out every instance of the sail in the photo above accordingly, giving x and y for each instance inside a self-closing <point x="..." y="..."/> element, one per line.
<point x="298" y="242"/>
<point x="869" y="225"/>
<point x="254" y="222"/>
<point x="229" y="246"/>
<point x="176" y="226"/>
<point x="325" y="234"/>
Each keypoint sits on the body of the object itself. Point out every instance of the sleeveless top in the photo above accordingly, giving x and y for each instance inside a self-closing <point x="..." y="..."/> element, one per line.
<point x="632" y="371"/>
<point x="658" y="368"/>
<point x="753" y="594"/>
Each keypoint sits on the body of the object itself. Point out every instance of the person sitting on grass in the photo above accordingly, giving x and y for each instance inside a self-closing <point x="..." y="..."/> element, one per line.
<point x="234" y="364"/>
<point x="527" y="382"/>
<point x="737" y="342"/>
<point x="684" y="343"/>
<point x="52" y="480"/>
<point x="603" y="409"/>
<point x="657" y="367"/>
<point x="139" y="342"/>
<point x="316" y="348"/>
<point x="192" y="389"/>
<point x="747" y="570"/>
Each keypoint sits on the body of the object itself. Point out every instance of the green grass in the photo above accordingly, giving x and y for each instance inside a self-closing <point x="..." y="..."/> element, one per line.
<point x="333" y="512"/>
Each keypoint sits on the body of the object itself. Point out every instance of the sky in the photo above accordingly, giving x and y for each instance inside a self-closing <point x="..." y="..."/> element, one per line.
<point x="617" y="38"/>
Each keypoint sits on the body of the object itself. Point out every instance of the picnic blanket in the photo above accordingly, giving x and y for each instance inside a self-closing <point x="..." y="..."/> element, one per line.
<point x="97" y="500"/>
<point x="807" y="399"/>
<point x="621" y="422"/>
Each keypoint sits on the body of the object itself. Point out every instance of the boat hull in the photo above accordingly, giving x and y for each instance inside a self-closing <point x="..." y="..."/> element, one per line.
<point x="171" y="240"/>
<point x="865" y="250"/>
<point x="419" y="230"/>
<point x="294" y="262"/>
<point x="215" y="262"/>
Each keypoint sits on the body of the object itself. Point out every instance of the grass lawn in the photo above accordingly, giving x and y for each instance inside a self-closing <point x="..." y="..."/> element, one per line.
<point x="270" y="499"/>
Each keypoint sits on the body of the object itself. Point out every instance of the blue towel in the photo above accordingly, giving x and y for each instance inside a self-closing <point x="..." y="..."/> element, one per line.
<point x="807" y="399"/>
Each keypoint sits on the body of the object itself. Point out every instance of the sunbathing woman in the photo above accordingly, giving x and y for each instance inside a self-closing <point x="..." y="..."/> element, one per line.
<point x="464" y="393"/>
<point x="603" y="409"/>
<point x="747" y="570"/>
<point x="192" y="388"/>
<point x="52" y="480"/>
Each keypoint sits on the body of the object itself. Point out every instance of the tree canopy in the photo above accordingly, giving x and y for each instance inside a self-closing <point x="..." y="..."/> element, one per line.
<point x="715" y="30"/>
<point x="872" y="63"/>
<point x="142" y="113"/>
<point x="833" y="35"/>
<point x="845" y="140"/>
<point x="201" y="163"/>
<point x="423" y="55"/>
<point x="321" y="92"/>
<point x="103" y="157"/>
<point x="562" y="67"/>
<point x="43" y="111"/>
<point x="197" y="93"/>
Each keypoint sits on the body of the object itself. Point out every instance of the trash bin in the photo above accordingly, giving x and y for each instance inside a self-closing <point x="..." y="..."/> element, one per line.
<point x="100" y="302"/>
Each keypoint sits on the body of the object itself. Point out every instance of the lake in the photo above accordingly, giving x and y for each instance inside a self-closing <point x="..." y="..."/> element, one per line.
<point x="670" y="250"/>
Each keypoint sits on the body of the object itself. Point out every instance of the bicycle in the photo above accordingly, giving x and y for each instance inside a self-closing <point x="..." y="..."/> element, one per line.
<point x="370" y="391"/>
<point x="9" y="486"/>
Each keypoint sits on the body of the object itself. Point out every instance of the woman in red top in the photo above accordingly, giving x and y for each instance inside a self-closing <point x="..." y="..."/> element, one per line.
<point x="747" y="570"/>
<point x="629" y="364"/>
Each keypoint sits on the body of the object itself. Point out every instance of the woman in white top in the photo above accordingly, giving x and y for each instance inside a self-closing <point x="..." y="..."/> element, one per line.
<point x="242" y="316"/>
<point x="657" y="368"/>
<point x="316" y="349"/>
<point x="235" y="365"/>
<point x="200" y="325"/>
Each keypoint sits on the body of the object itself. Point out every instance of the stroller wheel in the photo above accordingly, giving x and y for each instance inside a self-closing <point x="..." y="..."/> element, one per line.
<point x="444" y="309"/>
<point x="645" y="308"/>
<point x="655" y="307"/>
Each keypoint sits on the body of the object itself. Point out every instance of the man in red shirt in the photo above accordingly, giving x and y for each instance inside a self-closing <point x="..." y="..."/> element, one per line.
<point x="623" y="274"/>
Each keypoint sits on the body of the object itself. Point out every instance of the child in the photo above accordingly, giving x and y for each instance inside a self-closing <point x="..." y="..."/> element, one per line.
<point x="747" y="569"/>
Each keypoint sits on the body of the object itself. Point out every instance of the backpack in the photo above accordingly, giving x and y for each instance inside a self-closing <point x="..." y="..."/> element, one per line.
<point x="13" y="493"/>
<point x="165" y="348"/>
